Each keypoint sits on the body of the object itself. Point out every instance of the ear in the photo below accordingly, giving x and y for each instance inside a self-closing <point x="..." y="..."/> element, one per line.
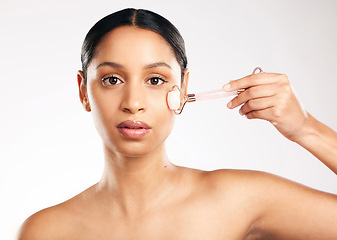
<point x="82" y="88"/>
<point x="184" y="84"/>
<point x="183" y="87"/>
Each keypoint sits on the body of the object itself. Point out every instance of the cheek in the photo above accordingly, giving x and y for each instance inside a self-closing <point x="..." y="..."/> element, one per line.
<point x="165" y="117"/>
<point x="99" y="103"/>
<point x="157" y="101"/>
<point x="103" y="107"/>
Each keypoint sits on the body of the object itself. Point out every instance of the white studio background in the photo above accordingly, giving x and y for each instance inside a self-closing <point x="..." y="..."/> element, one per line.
<point x="49" y="148"/>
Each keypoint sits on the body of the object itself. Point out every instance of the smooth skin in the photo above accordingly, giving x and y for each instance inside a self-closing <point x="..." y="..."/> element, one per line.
<point x="143" y="196"/>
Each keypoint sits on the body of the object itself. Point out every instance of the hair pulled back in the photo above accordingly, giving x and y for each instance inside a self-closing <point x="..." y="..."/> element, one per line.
<point x="141" y="18"/>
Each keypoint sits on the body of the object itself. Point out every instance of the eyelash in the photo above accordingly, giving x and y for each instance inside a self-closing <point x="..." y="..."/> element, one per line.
<point x="158" y="78"/>
<point x="106" y="81"/>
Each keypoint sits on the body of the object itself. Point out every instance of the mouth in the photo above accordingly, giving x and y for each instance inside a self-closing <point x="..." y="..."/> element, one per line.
<point x="133" y="129"/>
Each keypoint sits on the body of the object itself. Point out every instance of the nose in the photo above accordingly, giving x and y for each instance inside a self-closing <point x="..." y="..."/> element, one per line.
<point x="133" y="99"/>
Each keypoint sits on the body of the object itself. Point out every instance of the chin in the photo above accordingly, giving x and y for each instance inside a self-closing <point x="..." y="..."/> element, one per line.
<point x="133" y="149"/>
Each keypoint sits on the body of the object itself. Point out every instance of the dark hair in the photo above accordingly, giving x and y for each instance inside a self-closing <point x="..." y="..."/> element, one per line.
<point x="133" y="17"/>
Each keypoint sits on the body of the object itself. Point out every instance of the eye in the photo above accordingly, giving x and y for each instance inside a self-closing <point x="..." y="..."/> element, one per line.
<point x="112" y="80"/>
<point x="156" y="81"/>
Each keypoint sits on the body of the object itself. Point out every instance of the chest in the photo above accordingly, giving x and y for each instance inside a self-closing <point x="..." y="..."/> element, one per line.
<point x="197" y="224"/>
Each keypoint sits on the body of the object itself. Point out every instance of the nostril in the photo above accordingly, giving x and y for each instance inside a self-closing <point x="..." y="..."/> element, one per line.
<point x="130" y="110"/>
<point x="127" y="110"/>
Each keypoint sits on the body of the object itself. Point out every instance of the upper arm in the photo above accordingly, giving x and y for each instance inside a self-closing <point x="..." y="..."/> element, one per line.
<point x="289" y="210"/>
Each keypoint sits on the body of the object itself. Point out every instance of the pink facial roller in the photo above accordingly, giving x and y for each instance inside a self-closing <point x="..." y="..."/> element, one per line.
<point x="175" y="95"/>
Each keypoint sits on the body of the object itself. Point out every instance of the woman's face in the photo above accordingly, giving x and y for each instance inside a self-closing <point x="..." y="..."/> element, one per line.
<point x="127" y="83"/>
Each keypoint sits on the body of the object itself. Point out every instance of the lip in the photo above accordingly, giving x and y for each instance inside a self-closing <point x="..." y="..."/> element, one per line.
<point x="133" y="129"/>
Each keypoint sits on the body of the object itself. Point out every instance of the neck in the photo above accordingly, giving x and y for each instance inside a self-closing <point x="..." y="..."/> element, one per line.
<point x="137" y="183"/>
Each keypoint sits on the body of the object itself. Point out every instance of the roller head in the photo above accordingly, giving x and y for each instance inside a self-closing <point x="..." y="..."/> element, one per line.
<point x="173" y="100"/>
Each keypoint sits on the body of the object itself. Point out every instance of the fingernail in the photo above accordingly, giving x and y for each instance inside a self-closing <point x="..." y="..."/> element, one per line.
<point x="240" y="112"/>
<point x="230" y="104"/>
<point x="226" y="87"/>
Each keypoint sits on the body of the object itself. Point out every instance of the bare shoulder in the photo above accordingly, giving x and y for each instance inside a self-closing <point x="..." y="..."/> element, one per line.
<point x="41" y="225"/>
<point x="246" y="184"/>
<point x="251" y="188"/>
<point x="56" y="222"/>
<point x="237" y="179"/>
<point x="272" y="203"/>
<point x="228" y="184"/>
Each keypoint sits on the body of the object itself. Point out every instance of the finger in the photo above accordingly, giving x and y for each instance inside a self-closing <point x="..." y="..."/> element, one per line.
<point x="249" y="81"/>
<point x="261" y="91"/>
<point x="271" y="114"/>
<point x="254" y="80"/>
<point x="257" y="105"/>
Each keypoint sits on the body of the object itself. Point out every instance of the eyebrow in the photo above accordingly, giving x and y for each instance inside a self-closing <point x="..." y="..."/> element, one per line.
<point x="149" y="66"/>
<point x="157" y="64"/>
<point x="111" y="64"/>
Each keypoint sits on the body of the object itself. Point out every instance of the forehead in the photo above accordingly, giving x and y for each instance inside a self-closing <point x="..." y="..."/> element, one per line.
<point x="136" y="46"/>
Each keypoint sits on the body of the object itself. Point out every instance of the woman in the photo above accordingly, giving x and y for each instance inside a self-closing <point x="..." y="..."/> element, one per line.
<point x="130" y="61"/>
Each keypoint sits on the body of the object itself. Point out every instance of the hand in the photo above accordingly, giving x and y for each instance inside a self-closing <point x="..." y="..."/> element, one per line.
<point x="269" y="96"/>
